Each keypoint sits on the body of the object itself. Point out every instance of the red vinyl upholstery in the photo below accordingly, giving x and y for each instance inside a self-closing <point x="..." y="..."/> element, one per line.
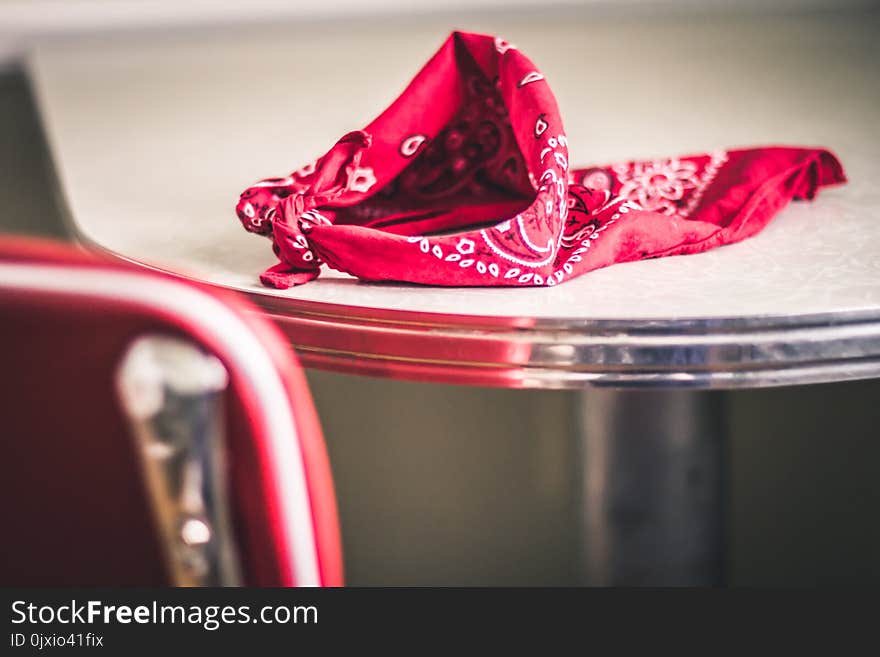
<point x="75" y="509"/>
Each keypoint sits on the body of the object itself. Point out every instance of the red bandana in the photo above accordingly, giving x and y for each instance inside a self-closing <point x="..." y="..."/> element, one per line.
<point x="465" y="180"/>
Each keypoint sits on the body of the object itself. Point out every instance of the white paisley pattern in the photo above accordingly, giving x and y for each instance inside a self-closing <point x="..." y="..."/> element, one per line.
<point x="670" y="186"/>
<point x="361" y="179"/>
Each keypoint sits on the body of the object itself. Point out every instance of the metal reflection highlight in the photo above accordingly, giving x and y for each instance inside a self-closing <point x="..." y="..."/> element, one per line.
<point x="172" y="393"/>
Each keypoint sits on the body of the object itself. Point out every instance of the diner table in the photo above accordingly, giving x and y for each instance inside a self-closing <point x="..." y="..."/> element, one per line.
<point x="152" y="137"/>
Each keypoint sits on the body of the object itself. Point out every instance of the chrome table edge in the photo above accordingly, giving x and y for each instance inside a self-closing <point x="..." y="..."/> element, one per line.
<point x="536" y="353"/>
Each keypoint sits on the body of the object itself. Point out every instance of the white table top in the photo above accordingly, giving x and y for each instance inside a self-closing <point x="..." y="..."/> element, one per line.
<point x="154" y="138"/>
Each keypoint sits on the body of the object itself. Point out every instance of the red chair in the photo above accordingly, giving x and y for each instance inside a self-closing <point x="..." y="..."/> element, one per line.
<point x="154" y="432"/>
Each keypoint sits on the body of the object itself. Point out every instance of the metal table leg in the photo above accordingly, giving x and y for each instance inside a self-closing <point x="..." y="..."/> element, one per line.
<point x="653" y="487"/>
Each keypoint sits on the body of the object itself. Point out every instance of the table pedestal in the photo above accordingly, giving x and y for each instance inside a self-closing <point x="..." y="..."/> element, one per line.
<point x="653" y="487"/>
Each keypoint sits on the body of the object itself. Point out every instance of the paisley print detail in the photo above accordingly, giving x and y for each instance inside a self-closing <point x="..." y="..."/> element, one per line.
<point x="474" y="158"/>
<point x="597" y="178"/>
<point x="540" y="126"/>
<point x="669" y="186"/>
<point x="361" y="179"/>
<point x="534" y="76"/>
<point x="410" y="145"/>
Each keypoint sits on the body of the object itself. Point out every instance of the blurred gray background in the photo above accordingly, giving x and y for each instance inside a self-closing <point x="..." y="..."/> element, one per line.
<point x="455" y="485"/>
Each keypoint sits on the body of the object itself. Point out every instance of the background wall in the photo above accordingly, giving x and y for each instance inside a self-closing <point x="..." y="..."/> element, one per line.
<point x="454" y="485"/>
<point x="24" y="21"/>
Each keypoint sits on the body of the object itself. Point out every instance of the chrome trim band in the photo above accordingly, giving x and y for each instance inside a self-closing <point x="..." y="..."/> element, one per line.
<point x="531" y="353"/>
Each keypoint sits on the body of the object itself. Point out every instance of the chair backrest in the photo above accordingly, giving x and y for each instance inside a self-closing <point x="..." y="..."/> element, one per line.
<point x="133" y="404"/>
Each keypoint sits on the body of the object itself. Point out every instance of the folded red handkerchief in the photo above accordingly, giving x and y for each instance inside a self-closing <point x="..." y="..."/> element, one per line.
<point x="465" y="180"/>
